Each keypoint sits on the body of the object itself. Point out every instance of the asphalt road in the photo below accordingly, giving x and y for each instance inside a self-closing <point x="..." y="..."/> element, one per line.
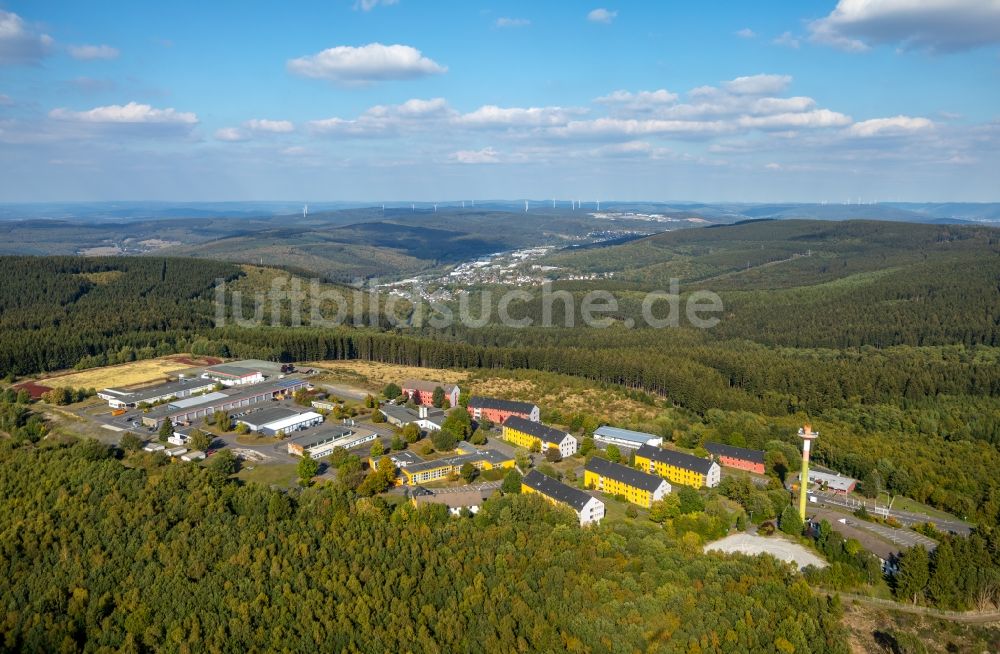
<point x="904" y="517"/>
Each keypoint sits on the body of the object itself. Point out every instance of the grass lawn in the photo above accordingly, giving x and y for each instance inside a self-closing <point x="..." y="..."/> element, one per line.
<point x="279" y="474"/>
<point x="906" y="504"/>
<point x="614" y="511"/>
<point x="253" y="439"/>
<point x="496" y="474"/>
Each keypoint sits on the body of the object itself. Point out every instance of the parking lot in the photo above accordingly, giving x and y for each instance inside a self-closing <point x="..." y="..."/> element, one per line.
<point x="901" y="538"/>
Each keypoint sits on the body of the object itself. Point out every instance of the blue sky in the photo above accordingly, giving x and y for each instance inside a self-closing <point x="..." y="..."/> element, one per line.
<point x="764" y="101"/>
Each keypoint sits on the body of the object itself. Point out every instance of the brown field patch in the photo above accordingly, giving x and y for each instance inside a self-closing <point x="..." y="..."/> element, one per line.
<point x="125" y="374"/>
<point x="34" y="390"/>
<point x="376" y="375"/>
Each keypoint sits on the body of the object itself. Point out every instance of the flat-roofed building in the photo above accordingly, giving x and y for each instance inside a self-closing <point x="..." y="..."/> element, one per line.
<point x="588" y="508"/>
<point x="634" y="485"/>
<point x="678" y="467"/>
<point x="235" y="400"/>
<point x="834" y="483"/>
<point x="323" y="442"/>
<point x="529" y="434"/>
<point x="195" y="400"/>
<point x="125" y="398"/>
<point x="740" y="458"/>
<point x="619" y="437"/>
<point x="280" y="419"/>
<point x="497" y="411"/>
<point x="233" y="374"/>
<point x="428" y="419"/>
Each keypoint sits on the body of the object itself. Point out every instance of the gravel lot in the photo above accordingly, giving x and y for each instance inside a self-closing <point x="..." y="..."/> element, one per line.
<point x="776" y="546"/>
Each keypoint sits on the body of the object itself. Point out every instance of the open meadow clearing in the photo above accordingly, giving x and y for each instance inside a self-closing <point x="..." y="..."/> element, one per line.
<point x="126" y="374"/>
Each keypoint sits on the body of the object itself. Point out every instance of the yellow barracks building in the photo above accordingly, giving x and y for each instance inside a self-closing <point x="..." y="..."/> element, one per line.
<point x="526" y="433"/>
<point x="635" y="486"/>
<point x="678" y="467"/>
<point x="425" y="471"/>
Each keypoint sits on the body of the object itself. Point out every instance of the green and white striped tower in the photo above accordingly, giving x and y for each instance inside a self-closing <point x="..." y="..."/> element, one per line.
<point x="808" y="436"/>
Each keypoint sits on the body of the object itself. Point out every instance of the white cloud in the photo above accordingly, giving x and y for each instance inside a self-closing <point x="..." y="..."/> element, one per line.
<point x="19" y="43"/>
<point x="815" y="118"/>
<point x="230" y="134"/>
<point x="486" y="155"/>
<point x="890" y="126"/>
<point x="630" y="150"/>
<point x="746" y="33"/>
<point x="512" y="22"/>
<point x="90" y="52"/>
<point x="494" y="116"/>
<point x="788" y="40"/>
<point x="758" y="84"/>
<point x="932" y="25"/>
<point x="773" y="166"/>
<point x="273" y="126"/>
<point x="387" y="120"/>
<point x="781" y="105"/>
<point x="132" y="112"/>
<point x="368" y="5"/>
<point x="601" y="15"/>
<point x="642" y="102"/>
<point x="618" y="127"/>
<point x="6" y="100"/>
<point x="374" y="62"/>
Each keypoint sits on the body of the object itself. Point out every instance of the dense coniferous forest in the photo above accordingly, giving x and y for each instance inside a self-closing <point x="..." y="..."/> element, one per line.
<point x="54" y="311"/>
<point x="179" y="558"/>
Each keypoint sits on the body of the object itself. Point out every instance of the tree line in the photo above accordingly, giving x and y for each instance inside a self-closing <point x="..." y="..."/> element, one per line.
<point x="97" y="555"/>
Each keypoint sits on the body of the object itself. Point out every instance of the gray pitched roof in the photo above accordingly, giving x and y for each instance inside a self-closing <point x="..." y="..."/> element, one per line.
<point x="721" y="449"/>
<point x="557" y="490"/>
<point x="675" y="458"/>
<point x="426" y="386"/>
<point x="624" y="474"/>
<point x="544" y="432"/>
<point x="501" y="405"/>
<point x="492" y="456"/>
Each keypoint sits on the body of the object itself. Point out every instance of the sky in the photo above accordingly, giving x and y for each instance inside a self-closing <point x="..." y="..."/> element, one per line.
<point x="393" y="100"/>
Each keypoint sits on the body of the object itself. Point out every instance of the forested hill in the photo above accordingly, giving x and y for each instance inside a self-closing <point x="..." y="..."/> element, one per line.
<point x="98" y="556"/>
<point x="764" y="254"/>
<point x="54" y="311"/>
<point x="820" y="284"/>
